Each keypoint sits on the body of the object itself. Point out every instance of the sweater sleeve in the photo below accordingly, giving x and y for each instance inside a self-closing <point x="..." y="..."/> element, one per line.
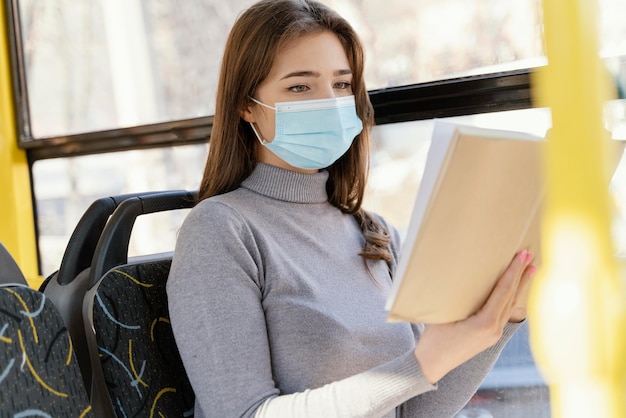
<point x="456" y="388"/>
<point x="215" y="292"/>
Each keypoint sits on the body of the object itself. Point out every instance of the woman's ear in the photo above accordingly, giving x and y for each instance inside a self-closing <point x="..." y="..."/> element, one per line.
<point x="246" y="113"/>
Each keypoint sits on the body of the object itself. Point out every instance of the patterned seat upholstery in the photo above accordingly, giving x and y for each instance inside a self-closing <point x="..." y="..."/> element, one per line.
<point x="138" y="356"/>
<point x="39" y="375"/>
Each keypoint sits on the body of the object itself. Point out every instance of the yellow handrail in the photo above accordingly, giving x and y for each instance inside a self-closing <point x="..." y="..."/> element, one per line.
<point x="577" y="301"/>
<point x="17" y="230"/>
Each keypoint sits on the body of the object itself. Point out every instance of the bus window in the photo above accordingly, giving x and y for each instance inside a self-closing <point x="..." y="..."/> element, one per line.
<point x="65" y="187"/>
<point x="108" y="64"/>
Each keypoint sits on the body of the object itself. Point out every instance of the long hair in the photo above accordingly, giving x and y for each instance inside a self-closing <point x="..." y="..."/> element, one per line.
<point x="253" y="43"/>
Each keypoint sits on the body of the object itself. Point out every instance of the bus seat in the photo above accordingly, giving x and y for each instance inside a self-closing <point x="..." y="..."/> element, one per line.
<point x="39" y="375"/>
<point x="135" y="344"/>
<point x="9" y="270"/>
<point x="136" y="367"/>
<point x="67" y="286"/>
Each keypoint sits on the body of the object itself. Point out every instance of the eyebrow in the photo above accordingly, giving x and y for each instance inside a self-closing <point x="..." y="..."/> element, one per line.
<point x="308" y="73"/>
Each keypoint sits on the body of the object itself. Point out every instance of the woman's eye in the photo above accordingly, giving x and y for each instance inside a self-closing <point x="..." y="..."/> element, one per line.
<point x="299" y="89"/>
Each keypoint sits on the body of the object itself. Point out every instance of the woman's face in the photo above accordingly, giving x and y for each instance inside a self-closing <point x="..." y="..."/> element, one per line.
<point x="312" y="67"/>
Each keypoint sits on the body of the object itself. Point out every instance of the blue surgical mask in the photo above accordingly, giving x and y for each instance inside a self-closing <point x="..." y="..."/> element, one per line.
<point x="313" y="134"/>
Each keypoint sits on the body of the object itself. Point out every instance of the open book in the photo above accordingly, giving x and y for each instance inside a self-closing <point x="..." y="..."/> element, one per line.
<point x="477" y="206"/>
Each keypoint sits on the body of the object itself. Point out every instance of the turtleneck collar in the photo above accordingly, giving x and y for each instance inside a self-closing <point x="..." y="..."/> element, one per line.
<point x="289" y="186"/>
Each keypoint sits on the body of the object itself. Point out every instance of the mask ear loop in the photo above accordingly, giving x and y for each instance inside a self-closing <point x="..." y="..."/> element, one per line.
<point x="261" y="103"/>
<point x="261" y="140"/>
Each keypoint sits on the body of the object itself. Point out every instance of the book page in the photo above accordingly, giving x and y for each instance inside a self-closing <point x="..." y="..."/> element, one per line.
<point x="442" y="142"/>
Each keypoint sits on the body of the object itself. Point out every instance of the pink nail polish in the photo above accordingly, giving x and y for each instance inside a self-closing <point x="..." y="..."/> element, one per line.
<point x="523" y="255"/>
<point x="532" y="270"/>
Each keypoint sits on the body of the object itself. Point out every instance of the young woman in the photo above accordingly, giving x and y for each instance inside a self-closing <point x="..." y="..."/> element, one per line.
<point x="279" y="278"/>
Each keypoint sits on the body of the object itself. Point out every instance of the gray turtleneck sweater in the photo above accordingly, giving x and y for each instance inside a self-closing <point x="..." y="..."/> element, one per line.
<point x="275" y="314"/>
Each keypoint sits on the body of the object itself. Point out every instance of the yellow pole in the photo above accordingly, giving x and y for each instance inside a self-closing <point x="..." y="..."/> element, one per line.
<point x="577" y="301"/>
<point x="17" y="230"/>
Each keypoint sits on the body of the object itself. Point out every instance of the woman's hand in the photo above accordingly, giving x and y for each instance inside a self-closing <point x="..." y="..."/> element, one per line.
<point x="442" y="347"/>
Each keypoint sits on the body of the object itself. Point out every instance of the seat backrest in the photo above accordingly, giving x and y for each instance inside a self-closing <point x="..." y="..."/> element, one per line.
<point x="136" y="349"/>
<point x="9" y="270"/>
<point x="136" y="368"/>
<point x="67" y="286"/>
<point x="39" y="375"/>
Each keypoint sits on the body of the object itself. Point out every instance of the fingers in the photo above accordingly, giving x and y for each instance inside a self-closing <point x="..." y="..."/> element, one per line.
<point x="510" y="283"/>
<point x="522" y="278"/>
<point x="518" y="313"/>
<point x="524" y="283"/>
<point x="504" y="294"/>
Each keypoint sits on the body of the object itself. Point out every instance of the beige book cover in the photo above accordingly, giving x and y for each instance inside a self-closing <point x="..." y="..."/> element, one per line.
<point x="478" y="204"/>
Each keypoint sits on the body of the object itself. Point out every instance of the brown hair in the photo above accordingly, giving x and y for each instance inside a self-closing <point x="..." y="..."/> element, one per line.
<point x="254" y="41"/>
